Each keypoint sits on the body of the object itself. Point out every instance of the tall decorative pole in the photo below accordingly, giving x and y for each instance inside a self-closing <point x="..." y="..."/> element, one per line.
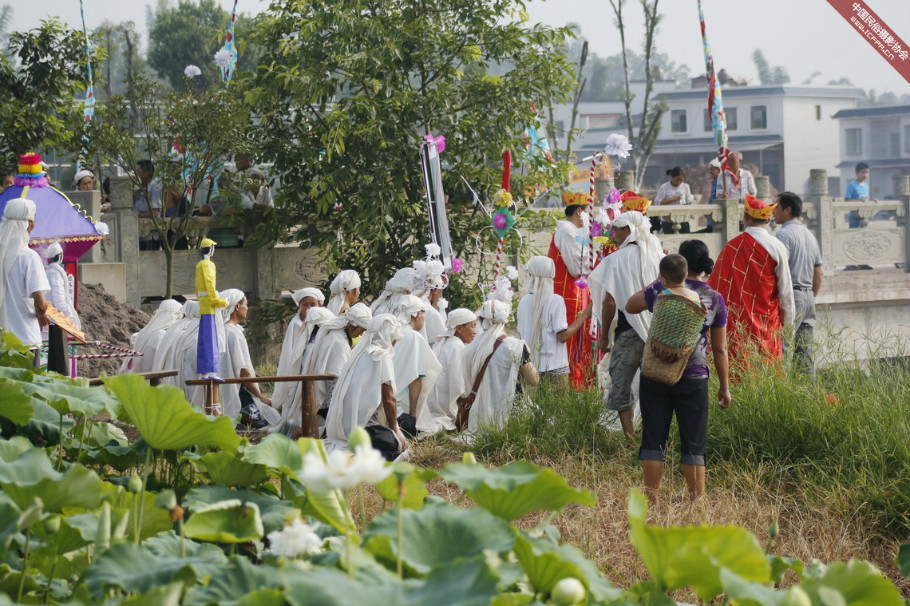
<point x="502" y="219"/>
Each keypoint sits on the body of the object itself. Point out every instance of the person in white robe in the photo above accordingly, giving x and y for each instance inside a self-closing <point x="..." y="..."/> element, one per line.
<point x="542" y="322"/>
<point x="416" y="367"/>
<point x="23" y="281"/>
<point x="497" y="390"/>
<point x="61" y="295"/>
<point x="244" y="400"/>
<point x="184" y="359"/>
<point x="150" y="337"/>
<point x="619" y="276"/>
<point x="345" y="291"/>
<point x="399" y="285"/>
<point x="364" y="394"/>
<point x="429" y="282"/>
<point x="166" y="354"/>
<point x="333" y="345"/>
<point x="296" y="339"/>
<point x="442" y="404"/>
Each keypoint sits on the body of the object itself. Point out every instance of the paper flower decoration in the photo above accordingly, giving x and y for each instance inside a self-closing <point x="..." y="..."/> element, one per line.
<point x="618" y="145"/>
<point x="582" y="282"/>
<point x="614" y="196"/>
<point x="596" y="230"/>
<point x="338" y="207"/>
<point x="224" y="56"/>
<point x="191" y="71"/>
<point x="440" y="142"/>
<point x="511" y="272"/>
<point x="456" y="265"/>
<point x="433" y="249"/>
<point x="502" y="198"/>
<point x="502" y="221"/>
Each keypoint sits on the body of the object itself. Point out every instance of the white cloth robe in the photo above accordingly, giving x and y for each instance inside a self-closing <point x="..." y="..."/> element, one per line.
<point x="442" y="404"/>
<point x="496" y="392"/>
<point x="620" y="274"/>
<point x="434" y="324"/>
<point x="166" y="353"/>
<point x="60" y="295"/>
<point x="26" y="276"/>
<point x="234" y="358"/>
<point x="329" y="358"/>
<point x="414" y="359"/>
<point x="356" y="404"/>
<point x="185" y="356"/>
<point x="569" y="247"/>
<point x="290" y="363"/>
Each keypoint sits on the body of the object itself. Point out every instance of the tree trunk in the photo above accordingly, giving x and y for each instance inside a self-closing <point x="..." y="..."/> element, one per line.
<point x="169" y="262"/>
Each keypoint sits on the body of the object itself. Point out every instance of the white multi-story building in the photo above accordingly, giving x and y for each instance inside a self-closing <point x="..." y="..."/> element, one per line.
<point x="878" y="136"/>
<point x="784" y="130"/>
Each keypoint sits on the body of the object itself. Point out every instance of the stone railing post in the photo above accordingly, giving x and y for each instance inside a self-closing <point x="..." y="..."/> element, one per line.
<point x="902" y="190"/>
<point x="818" y="195"/>
<point x="763" y="188"/>
<point x="127" y="225"/>
<point x="626" y="180"/>
<point x="732" y="217"/>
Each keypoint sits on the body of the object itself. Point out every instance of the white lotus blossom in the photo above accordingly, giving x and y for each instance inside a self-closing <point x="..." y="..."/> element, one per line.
<point x="191" y="71"/>
<point x="511" y="272"/>
<point x="618" y="145"/>
<point x="223" y="58"/>
<point x="341" y="470"/>
<point x="296" y="538"/>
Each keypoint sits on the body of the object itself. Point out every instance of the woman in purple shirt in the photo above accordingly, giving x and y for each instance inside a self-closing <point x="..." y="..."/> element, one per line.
<point x="688" y="398"/>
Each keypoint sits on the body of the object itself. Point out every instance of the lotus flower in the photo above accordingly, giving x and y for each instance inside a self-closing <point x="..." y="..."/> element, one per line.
<point x="296" y="538"/>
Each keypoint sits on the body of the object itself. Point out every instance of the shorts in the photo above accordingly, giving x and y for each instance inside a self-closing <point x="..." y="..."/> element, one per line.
<point x="624" y="362"/>
<point x="689" y="400"/>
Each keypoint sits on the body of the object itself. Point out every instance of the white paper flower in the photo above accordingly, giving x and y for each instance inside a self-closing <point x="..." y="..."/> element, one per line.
<point x="433" y="249"/>
<point x="511" y="272"/>
<point x="442" y="305"/>
<point x="103" y="228"/>
<point x="296" y="538"/>
<point x="618" y="145"/>
<point x="503" y="291"/>
<point x="223" y="58"/>
<point x="191" y="71"/>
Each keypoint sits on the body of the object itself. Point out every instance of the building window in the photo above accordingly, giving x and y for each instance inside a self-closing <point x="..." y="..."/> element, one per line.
<point x="818" y="112"/>
<point x="759" y="117"/>
<point x="854" y="141"/>
<point x="731" y="119"/>
<point x="907" y="138"/>
<point x="678" y="121"/>
<point x="895" y="147"/>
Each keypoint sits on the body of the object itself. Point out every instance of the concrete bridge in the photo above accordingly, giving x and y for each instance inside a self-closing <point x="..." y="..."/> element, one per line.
<point x="863" y="314"/>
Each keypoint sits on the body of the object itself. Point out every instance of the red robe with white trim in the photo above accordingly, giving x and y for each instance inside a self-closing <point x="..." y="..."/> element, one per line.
<point x="581" y="361"/>
<point x="744" y="275"/>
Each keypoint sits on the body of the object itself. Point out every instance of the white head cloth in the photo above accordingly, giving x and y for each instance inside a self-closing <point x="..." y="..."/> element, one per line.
<point x="497" y="314"/>
<point x="303" y="293"/>
<point x="408" y="307"/>
<point x="345" y="281"/>
<point x="82" y="174"/>
<point x="429" y="275"/>
<point x="542" y="271"/>
<point x="359" y="315"/>
<point x="52" y="251"/>
<point x="640" y="234"/>
<point x="13" y="238"/>
<point x="454" y="319"/>
<point x="233" y="296"/>
<point x="327" y="322"/>
<point x="401" y="283"/>
<point x="167" y="314"/>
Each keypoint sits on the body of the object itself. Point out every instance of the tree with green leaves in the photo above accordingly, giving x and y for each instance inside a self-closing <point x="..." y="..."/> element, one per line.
<point x="148" y="122"/>
<point x="190" y="33"/>
<point x="348" y="90"/>
<point x="767" y="74"/>
<point x="41" y="74"/>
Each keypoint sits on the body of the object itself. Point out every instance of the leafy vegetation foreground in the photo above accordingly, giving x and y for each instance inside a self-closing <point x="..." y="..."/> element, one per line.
<point x="192" y="514"/>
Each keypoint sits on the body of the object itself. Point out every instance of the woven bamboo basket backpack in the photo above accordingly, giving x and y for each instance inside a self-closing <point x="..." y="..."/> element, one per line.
<point x="675" y="328"/>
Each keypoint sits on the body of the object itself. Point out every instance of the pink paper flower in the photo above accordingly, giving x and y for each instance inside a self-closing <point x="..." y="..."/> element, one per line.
<point x="456" y="265"/>
<point x="582" y="282"/>
<point x="596" y="230"/>
<point x="500" y="221"/>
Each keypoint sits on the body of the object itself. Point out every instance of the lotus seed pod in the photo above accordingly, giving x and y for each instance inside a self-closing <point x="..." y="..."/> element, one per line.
<point x="134" y="484"/>
<point x="796" y="596"/>
<point x="774" y="530"/>
<point x="567" y="592"/>
<point x="52" y="524"/>
<point x="468" y="458"/>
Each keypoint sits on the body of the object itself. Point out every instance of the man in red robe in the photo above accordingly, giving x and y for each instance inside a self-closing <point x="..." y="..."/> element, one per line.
<point x="753" y="275"/>
<point x="566" y="252"/>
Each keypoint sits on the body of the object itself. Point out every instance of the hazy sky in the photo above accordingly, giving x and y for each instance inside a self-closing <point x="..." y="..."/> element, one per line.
<point x="805" y="36"/>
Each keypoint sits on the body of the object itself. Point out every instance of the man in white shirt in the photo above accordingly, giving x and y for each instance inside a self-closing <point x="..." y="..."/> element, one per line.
<point x="23" y="282"/>
<point x="736" y="181"/>
<point x="542" y="320"/>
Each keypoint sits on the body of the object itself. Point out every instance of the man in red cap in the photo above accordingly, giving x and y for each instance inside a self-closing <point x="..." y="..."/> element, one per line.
<point x="566" y="252"/>
<point x="753" y="276"/>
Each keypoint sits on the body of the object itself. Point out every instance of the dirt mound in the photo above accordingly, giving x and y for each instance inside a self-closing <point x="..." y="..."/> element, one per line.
<point x="105" y="319"/>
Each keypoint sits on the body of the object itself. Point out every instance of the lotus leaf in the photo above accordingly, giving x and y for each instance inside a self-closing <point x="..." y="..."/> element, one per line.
<point x="231" y="521"/>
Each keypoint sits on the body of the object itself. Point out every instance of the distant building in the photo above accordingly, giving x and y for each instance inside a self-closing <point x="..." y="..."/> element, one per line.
<point x="878" y="136"/>
<point x="784" y="130"/>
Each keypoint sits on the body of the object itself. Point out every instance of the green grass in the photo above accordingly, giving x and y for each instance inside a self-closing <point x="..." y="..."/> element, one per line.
<point x="840" y="441"/>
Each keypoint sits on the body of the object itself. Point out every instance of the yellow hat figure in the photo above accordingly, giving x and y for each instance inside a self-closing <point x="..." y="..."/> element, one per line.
<point x="758" y="209"/>
<point x="207" y="352"/>
<point x="633" y="201"/>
